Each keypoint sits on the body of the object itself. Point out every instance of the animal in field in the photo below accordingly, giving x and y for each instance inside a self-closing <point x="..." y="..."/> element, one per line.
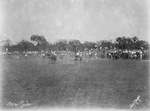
<point x="78" y="57"/>
<point x="135" y="56"/>
<point x="51" y="57"/>
<point x="113" y="55"/>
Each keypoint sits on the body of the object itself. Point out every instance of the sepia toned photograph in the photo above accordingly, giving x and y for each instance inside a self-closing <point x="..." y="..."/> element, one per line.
<point x="74" y="55"/>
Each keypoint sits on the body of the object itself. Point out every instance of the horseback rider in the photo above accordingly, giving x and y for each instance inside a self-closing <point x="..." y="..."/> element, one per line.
<point x="78" y="56"/>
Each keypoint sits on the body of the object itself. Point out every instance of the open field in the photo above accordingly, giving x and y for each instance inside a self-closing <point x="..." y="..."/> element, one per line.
<point x="93" y="83"/>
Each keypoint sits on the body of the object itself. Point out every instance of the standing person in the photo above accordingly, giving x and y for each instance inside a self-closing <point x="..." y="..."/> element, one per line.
<point x="90" y="54"/>
<point x="141" y="55"/>
<point x="96" y="55"/>
<point x="26" y="55"/>
<point x="77" y="54"/>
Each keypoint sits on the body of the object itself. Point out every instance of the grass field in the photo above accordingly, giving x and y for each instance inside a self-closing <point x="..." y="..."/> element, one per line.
<point x="93" y="83"/>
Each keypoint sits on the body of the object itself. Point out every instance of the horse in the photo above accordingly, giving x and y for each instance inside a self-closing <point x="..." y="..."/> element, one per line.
<point x="135" y="56"/>
<point x="78" y="57"/>
<point x="51" y="57"/>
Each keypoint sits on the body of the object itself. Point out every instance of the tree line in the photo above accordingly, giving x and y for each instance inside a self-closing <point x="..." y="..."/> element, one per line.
<point x="39" y="43"/>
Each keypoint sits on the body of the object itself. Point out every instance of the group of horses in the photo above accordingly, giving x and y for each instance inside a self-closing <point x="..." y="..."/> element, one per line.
<point x="50" y="56"/>
<point x="53" y="57"/>
<point x="136" y="55"/>
<point x="78" y="56"/>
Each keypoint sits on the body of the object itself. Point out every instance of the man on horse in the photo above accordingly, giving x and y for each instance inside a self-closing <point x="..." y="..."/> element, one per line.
<point x="51" y="55"/>
<point x="78" y="56"/>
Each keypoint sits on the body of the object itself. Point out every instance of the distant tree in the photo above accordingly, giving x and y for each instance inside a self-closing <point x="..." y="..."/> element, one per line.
<point x="105" y="43"/>
<point x="119" y="42"/>
<point x="6" y="44"/>
<point x="130" y="43"/>
<point x="41" y="42"/>
<point x="61" y="45"/>
<point x="135" y="42"/>
<point x="135" y="39"/>
<point x="123" y="43"/>
<point x="141" y="44"/>
<point x="74" y="45"/>
<point x="89" y="45"/>
<point x="24" y="46"/>
<point x="37" y="38"/>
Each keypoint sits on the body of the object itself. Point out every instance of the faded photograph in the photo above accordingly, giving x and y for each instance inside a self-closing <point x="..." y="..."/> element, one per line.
<point x="74" y="54"/>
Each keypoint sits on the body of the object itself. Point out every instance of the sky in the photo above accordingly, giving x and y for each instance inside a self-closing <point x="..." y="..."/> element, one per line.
<point x="85" y="20"/>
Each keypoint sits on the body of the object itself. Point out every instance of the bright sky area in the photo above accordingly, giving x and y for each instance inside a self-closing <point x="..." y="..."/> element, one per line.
<point x="86" y="20"/>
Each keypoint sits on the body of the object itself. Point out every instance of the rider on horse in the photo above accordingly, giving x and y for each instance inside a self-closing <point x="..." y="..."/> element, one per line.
<point x="78" y="56"/>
